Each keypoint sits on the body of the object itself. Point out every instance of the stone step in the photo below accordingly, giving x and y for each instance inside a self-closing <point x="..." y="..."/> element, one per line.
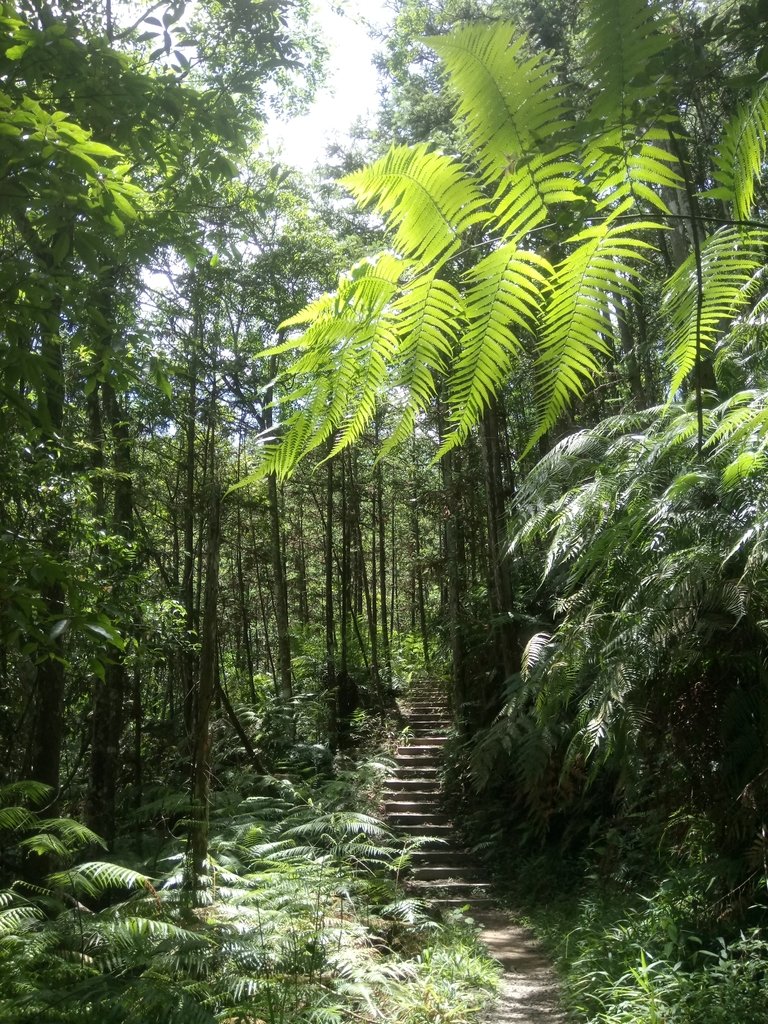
<point x="436" y="872"/>
<point x="448" y="887"/>
<point x="428" y="806"/>
<point x="426" y="820"/>
<point x="416" y="770"/>
<point x="431" y="797"/>
<point x="426" y="749"/>
<point x="436" y="830"/>
<point x="427" y="784"/>
<point x="431" y="741"/>
<point x="443" y="854"/>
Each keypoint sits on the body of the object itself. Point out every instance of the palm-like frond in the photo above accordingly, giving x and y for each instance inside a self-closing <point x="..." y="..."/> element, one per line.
<point x="741" y="161"/>
<point x="576" y="323"/>
<point x="622" y="39"/>
<point x="503" y="300"/>
<point x="507" y="100"/>
<point x="425" y="197"/>
<point x="730" y="260"/>
<point x="426" y="317"/>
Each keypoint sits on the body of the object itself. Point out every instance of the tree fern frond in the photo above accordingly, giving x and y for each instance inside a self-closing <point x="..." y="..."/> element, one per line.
<point x="503" y="299"/>
<point x="730" y="259"/>
<point x="741" y="161"/>
<point x="426" y="198"/>
<point x="624" y="165"/>
<point x="427" y="319"/>
<point x="97" y="877"/>
<point x="526" y="194"/>
<point x="576" y="321"/>
<point x="508" y="100"/>
<point x="622" y="39"/>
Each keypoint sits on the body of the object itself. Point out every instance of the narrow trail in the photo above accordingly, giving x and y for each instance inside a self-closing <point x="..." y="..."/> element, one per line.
<point x="446" y="876"/>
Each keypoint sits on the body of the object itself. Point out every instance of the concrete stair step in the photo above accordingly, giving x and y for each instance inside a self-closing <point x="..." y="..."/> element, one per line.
<point x="428" y="806"/>
<point x="436" y="830"/>
<point x="424" y="819"/>
<point x="442" y="855"/>
<point x="448" y="887"/>
<point x="436" y="872"/>
<point x="427" y="784"/>
<point x="428" y="797"/>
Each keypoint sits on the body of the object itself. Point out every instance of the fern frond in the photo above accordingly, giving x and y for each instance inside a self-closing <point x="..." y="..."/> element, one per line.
<point x="503" y="299"/>
<point x="626" y="165"/>
<point x="426" y="198"/>
<point x="622" y="39"/>
<point x="730" y="259"/>
<point x="97" y="877"/>
<point x="427" y="319"/>
<point x="525" y="196"/>
<point x="508" y="100"/>
<point x="741" y="161"/>
<point x="576" y="322"/>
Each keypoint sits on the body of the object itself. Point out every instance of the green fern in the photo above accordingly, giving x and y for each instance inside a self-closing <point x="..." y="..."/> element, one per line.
<point x="426" y="198"/>
<point x="503" y="300"/>
<point x="507" y="99"/>
<point x="576" y="323"/>
<point x="731" y="260"/>
<point x="740" y="163"/>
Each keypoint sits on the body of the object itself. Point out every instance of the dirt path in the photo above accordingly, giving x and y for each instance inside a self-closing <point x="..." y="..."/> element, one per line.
<point x="528" y="990"/>
<point x="447" y="877"/>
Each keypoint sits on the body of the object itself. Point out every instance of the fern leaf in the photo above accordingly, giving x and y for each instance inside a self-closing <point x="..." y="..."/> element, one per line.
<point x="427" y="319"/>
<point x="623" y="38"/>
<point x="508" y="101"/>
<point x="503" y="299"/>
<point x="577" y="321"/>
<point x="741" y="160"/>
<point x="730" y="259"/>
<point x="426" y="198"/>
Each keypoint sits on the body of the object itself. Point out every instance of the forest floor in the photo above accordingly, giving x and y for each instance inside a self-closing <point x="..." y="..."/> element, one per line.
<point x="528" y="988"/>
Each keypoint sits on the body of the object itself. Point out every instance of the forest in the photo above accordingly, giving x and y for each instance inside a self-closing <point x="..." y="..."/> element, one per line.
<point x="481" y="403"/>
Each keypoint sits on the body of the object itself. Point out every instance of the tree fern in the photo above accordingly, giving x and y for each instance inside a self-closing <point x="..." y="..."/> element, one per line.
<point x="576" y="322"/>
<point x="740" y="163"/>
<point x="425" y="197"/>
<point x="503" y="299"/>
<point x="699" y="311"/>
<point x="507" y="100"/>
<point x="427" y="318"/>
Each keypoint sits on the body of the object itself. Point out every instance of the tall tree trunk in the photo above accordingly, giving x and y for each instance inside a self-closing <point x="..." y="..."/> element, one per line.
<point x="48" y="694"/>
<point x="108" y="694"/>
<point x="188" y="655"/>
<point x="330" y="628"/>
<point x="201" y="747"/>
<point x="501" y="588"/>
<point x="279" y="583"/>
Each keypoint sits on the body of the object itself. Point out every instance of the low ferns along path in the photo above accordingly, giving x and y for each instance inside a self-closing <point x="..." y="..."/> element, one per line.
<point x="446" y="876"/>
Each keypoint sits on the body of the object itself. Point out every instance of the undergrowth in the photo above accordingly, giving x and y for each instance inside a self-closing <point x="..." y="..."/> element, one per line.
<point x="298" y="919"/>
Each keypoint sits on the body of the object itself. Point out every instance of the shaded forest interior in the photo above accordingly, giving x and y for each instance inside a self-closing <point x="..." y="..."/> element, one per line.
<point x="269" y="456"/>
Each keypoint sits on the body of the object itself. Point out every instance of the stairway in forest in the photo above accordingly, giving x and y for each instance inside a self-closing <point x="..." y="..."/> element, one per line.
<point x="444" y="875"/>
<point x="441" y="873"/>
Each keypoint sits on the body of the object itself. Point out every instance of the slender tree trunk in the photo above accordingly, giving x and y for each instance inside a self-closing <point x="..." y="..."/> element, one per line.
<point x="48" y="694"/>
<point x="109" y="693"/>
<point x="188" y="657"/>
<point x="330" y="628"/>
<point x="201" y="765"/>
<point x="382" y="535"/>
<point x="279" y="584"/>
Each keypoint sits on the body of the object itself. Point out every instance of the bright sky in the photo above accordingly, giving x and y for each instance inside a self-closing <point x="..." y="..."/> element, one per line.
<point x="351" y="89"/>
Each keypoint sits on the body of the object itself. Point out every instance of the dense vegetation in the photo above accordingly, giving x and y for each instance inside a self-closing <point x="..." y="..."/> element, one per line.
<point x="264" y="458"/>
